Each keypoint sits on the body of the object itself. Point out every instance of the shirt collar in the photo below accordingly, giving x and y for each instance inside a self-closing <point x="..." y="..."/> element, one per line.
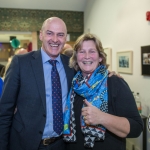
<point x="46" y="58"/>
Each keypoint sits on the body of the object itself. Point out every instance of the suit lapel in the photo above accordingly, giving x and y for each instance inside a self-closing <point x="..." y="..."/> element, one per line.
<point x="39" y="75"/>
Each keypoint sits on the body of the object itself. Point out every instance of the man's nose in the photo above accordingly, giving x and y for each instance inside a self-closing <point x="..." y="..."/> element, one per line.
<point x="55" y="38"/>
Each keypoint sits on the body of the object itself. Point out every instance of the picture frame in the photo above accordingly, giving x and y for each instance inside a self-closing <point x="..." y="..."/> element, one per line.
<point x="125" y="62"/>
<point x="108" y="52"/>
<point x="145" y="60"/>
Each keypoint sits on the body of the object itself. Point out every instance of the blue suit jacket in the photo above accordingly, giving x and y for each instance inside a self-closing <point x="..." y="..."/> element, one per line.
<point x="24" y="88"/>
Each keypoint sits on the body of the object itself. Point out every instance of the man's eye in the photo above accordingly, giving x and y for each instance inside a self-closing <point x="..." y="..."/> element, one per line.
<point x="61" y="35"/>
<point x="49" y="33"/>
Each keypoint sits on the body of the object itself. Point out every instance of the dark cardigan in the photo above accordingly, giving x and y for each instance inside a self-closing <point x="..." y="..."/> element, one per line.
<point x="120" y="103"/>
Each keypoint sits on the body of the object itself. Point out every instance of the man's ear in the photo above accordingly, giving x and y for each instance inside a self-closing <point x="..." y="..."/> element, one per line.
<point x="40" y="35"/>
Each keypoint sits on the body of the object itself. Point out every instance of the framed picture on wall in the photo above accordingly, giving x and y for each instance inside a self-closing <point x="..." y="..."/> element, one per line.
<point x="145" y="60"/>
<point x="125" y="62"/>
<point x="108" y="52"/>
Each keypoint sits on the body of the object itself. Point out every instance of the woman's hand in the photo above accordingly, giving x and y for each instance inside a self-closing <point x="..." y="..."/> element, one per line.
<point x="91" y="114"/>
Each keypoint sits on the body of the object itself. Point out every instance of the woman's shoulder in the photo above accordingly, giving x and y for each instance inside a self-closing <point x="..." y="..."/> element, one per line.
<point x="116" y="79"/>
<point x="117" y="82"/>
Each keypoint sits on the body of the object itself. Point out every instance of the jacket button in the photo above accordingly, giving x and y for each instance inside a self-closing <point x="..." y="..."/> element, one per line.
<point x="40" y="132"/>
<point x="44" y="115"/>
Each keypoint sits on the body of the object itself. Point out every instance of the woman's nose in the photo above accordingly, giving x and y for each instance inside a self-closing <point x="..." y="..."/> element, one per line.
<point x="86" y="55"/>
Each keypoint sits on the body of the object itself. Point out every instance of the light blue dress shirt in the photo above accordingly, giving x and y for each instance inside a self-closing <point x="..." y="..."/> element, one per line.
<point x="48" y="130"/>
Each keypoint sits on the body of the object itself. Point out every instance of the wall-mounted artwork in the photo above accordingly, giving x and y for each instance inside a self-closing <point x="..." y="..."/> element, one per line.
<point x="125" y="62"/>
<point x="145" y="60"/>
<point x="108" y="52"/>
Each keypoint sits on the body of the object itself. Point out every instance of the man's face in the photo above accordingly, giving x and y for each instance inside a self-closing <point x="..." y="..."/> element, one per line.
<point x="53" y="37"/>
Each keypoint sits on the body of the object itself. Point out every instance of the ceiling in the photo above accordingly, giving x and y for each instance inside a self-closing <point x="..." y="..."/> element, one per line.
<point x="68" y="5"/>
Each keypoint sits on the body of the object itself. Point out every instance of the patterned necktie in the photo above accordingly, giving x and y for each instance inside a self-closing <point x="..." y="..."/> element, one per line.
<point x="56" y="99"/>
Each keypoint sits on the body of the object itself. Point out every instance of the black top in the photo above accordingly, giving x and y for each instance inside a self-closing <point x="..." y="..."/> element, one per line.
<point x="120" y="103"/>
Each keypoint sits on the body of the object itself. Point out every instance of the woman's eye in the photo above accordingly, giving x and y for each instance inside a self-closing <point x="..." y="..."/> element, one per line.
<point x="81" y="52"/>
<point x="92" y="51"/>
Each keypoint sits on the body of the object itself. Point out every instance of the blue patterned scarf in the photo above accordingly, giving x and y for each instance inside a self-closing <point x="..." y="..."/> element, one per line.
<point x="93" y="88"/>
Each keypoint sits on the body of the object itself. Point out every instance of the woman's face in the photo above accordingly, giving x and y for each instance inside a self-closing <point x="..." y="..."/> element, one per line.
<point x="88" y="57"/>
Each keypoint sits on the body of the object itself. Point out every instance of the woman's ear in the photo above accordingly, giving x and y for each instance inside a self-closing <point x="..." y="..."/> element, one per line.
<point x="100" y="59"/>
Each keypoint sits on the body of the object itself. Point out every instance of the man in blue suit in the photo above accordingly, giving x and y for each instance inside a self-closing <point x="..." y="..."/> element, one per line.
<point x="27" y="87"/>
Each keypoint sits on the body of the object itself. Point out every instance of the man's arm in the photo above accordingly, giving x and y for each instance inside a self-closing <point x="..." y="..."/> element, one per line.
<point x="110" y="73"/>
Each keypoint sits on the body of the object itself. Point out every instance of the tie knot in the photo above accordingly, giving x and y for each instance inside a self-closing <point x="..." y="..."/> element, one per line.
<point x="53" y="62"/>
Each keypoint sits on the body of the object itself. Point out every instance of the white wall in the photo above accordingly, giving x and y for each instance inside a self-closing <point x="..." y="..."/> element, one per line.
<point x="122" y="25"/>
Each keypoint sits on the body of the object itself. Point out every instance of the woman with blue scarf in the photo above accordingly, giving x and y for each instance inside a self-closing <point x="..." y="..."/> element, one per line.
<point x="100" y="112"/>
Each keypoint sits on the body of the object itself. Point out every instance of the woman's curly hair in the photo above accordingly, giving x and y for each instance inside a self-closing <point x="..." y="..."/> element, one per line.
<point x="87" y="37"/>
